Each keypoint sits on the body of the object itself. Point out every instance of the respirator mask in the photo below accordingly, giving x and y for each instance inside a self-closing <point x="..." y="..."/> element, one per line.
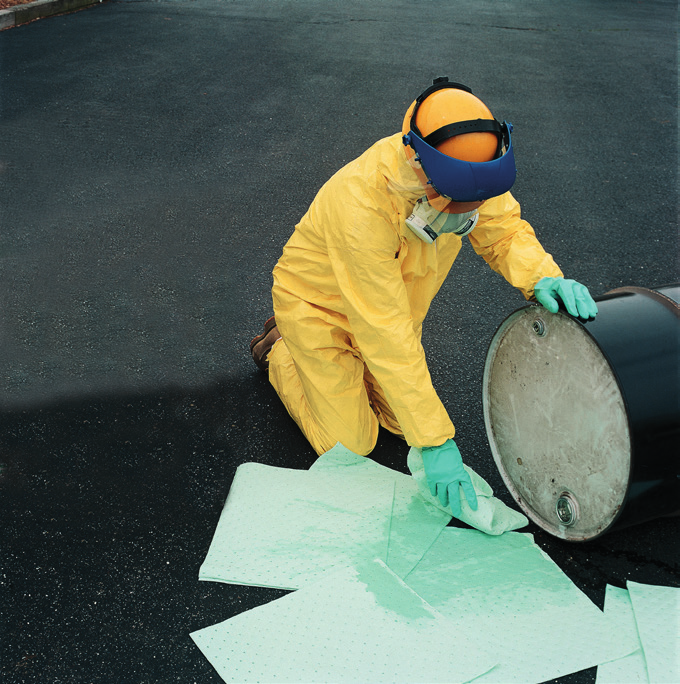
<point x="428" y="223"/>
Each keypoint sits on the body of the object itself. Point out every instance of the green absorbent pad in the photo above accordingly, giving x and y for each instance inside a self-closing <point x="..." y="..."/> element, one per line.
<point x="657" y="618"/>
<point x="649" y="614"/>
<point x="356" y="625"/>
<point x="283" y="528"/>
<point x="507" y="593"/>
<point x="416" y="523"/>
<point x="492" y="515"/>
<point x="630" y="669"/>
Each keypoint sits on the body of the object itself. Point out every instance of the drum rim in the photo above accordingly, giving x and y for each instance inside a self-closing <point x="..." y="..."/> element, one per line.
<point x="558" y="531"/>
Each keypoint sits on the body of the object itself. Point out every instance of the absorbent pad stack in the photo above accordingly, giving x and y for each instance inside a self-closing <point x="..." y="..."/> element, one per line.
<point x="380" y="577"/>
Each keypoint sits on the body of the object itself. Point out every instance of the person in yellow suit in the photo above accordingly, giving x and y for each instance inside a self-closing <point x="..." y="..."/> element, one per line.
<point x="355" y="280"/>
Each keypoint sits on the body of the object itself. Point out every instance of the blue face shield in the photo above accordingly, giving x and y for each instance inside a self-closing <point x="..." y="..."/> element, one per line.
<point x="465" y="181"/>
<point x="459" y="180"/>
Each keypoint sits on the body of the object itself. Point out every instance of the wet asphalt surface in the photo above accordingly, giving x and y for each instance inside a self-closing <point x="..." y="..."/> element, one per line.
<point x="154" y="158"/>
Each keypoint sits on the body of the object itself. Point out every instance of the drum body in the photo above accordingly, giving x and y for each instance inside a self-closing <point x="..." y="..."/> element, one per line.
<point x="583" y="418"/>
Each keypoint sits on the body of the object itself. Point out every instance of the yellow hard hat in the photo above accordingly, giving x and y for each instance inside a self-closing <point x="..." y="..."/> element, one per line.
<point x="450" y="106"/>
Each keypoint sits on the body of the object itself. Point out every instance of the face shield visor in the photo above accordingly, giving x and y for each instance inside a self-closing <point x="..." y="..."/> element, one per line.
<point x="456" y="179"/>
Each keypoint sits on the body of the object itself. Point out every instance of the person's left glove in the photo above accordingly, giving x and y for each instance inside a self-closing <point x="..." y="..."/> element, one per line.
<point x="575" y="297"/>
<point x="445" y="475"/>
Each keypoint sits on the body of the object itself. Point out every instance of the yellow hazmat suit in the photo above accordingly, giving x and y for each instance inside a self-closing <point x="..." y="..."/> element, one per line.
<point x="351" y="291"/>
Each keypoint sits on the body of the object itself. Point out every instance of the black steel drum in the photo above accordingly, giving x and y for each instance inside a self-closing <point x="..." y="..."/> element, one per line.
<point x="583" y="418"/>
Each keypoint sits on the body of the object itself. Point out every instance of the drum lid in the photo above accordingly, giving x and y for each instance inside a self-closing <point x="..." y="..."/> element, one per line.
<point x="557" y="423"/>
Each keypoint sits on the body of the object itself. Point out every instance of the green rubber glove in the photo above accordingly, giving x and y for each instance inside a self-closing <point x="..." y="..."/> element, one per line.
<point x="575" y="297"/>
<point x="445" y="475"/>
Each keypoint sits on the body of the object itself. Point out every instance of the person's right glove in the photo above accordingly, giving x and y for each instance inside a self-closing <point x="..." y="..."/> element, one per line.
<point x="575" y="297"/>
<point x="445" y="475"/>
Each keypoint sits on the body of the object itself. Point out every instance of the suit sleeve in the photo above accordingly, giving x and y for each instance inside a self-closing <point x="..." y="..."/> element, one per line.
<point x="510" y="246"/>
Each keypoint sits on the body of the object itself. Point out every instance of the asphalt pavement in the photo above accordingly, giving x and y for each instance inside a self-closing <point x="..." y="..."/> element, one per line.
<point x="155" y="156"/>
